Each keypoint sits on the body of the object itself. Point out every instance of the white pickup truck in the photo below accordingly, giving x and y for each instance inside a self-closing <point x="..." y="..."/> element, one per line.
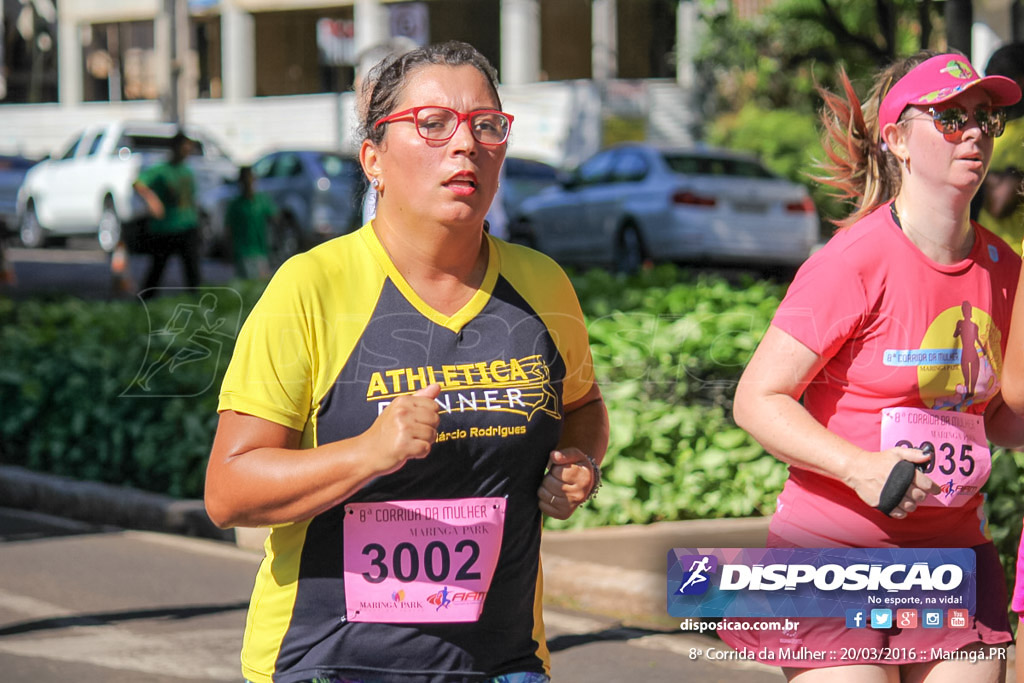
<point x="87" y="188"/>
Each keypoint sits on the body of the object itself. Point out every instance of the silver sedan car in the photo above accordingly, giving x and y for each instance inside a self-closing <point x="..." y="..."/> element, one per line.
<point x="634" y="202"/>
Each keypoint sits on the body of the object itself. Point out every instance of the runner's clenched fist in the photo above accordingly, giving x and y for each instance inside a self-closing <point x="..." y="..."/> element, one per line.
<point x="406" y="429"/>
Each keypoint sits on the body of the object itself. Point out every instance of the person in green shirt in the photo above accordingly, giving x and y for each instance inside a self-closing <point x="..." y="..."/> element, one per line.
<point x="1003" y="209"/>
<point x="248" y="218"/>
<point x="169" y="190"/>
<point x="7" y="276"/>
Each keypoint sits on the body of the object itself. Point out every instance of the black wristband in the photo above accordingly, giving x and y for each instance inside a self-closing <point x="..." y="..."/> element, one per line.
<point x="900" y="479"/>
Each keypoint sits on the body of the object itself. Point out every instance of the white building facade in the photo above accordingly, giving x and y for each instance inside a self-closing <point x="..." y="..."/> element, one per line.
<point x="275" y="73"/>
<point x="261" y="74"/>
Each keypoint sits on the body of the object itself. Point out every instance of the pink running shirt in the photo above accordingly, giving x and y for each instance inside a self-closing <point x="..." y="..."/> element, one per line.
<point x="898" y="330"/>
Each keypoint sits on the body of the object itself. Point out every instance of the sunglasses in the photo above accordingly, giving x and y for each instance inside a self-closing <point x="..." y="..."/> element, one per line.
<point x="991" y="120"/>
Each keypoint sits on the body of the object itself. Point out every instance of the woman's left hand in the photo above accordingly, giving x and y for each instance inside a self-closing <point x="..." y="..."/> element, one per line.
<point x="567" y="484"/>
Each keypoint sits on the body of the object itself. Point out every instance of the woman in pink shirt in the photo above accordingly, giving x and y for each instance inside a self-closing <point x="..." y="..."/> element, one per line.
<point x="899" y="319"/>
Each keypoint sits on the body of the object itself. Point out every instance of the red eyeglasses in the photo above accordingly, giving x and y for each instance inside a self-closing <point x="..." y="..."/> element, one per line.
<point x="438" y="124"/>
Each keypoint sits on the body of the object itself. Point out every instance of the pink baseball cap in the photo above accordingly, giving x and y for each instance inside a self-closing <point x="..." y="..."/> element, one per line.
<point x="941" y="78"/>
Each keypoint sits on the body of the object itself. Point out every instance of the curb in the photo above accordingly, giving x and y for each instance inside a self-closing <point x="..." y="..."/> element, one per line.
<point x="628" y="595"/>
<point x="621" y="571"/>
<point x="106" y="504"/>
<point x="617" y="572"/>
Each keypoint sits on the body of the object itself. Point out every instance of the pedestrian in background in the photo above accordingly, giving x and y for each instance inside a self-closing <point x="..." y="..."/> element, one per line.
<point x="403" y="405"/>
<point x="1002" y="209"/>
<point x="848" y="364"/>
<point x="248" y="218"/>
<point x="169" y="190"/>
<point x="7" y="276"/>
<point x="120" y="268"/>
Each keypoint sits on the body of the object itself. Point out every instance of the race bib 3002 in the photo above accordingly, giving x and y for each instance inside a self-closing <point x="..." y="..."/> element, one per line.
<point x="420" y="561"/>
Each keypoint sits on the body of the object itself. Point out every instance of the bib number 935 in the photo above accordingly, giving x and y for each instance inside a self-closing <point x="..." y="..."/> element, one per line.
<point x="945" y="457"/>
<point x="959" y="459"/>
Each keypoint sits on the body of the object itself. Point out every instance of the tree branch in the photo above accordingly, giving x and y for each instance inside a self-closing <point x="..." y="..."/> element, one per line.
<point x="834" y="23"/>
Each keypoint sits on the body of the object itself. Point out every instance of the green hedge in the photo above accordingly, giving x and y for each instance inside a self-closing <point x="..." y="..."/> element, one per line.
<point x="70" y="403"/>
<point x="668" y="344"/>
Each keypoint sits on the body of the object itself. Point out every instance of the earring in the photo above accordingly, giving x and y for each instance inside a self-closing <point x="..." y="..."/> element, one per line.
<point x="375" y="183"/>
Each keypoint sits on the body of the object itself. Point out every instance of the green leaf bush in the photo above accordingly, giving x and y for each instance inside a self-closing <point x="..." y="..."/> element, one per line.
<point x="1003" y="495"/>
<point x="69" y="405"/>
<point x="669" y="345"/>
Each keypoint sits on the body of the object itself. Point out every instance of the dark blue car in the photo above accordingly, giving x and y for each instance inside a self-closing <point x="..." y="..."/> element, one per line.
<point x="12" y="173"/>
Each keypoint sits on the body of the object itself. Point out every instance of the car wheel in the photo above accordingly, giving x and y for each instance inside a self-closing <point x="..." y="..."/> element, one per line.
<point x="629" y="252"/>
<point x="287" y="239"/>
<point x="30" y="231"/>
<point x="109" y="232"/>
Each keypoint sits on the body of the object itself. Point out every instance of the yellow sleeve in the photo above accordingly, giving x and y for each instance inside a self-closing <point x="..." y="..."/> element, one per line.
<point x="271" y="370"/>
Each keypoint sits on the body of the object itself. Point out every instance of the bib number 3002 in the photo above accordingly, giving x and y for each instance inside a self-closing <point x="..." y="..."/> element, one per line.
<point x="420" y="561"/>
<point x="405" y="563"/>
<point x="960" y="461"/>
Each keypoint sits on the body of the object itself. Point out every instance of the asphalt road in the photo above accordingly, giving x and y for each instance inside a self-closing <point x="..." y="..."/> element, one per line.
<point x="100" y="605"/>
<point x="83" y="603"/>
<point x="81" y="268"/>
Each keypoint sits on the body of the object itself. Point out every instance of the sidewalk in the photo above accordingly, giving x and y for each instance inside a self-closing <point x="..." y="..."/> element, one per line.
<point x="615" y="571"/>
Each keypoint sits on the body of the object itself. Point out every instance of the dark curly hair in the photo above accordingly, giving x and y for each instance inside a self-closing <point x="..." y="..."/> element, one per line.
<point x="386" y="81"/>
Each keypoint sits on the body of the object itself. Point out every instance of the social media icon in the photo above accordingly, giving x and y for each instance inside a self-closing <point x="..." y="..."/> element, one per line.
<point x="906" y="618"/>
<point x="856" y="618"/>
<point x="881" y="618"/>
<point x="932" y="618"/>
<point x="957" y="618"/>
